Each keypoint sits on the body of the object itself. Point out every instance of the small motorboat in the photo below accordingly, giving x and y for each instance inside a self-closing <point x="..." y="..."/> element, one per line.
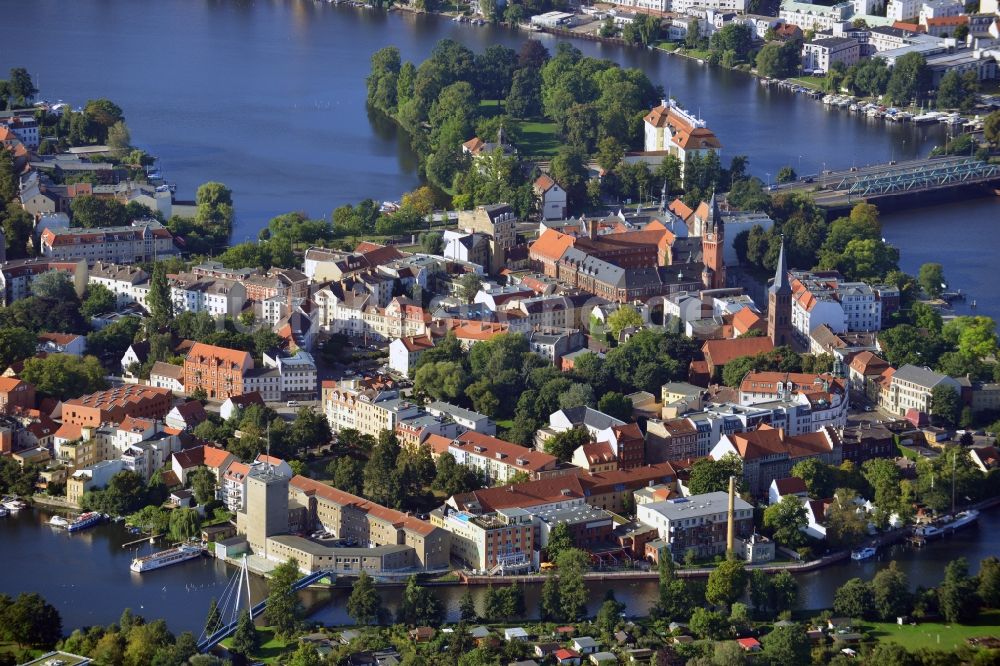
<point x="862" y="554"/>
<point x="58" y="521"/>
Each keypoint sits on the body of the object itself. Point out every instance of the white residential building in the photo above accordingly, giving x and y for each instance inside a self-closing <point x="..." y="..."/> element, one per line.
<point x="119" y="279"/>
<point x="144" y="240"/>
<point x="820" y="54"/>
<point x="216" y="296"/>
<point x="672" y="130"/>
<point x="825" y="298"/>
<point x="931" y="9"/>
<point x="466" y="418"/>
<point x="902" y="10"/>
<point x="405" y="352"/>
<point x="912" y="387"/>
<point x="297" y="373"/>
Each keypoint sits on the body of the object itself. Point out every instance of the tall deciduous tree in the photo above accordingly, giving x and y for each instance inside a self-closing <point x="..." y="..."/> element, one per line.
<point x="726" y="583"/>
<point x="787" y="518"/>
<point x="245" y="640"/>
<point x="363" y="604"/>
<point x="283" y="607"/>
<point x="573" y="594"/>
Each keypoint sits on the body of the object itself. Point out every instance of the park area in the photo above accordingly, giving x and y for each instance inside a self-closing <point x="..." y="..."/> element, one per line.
<point x="936" y="635"/>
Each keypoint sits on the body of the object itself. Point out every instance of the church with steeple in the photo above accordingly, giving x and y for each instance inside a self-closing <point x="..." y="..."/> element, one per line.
<point x="779" y="303"/>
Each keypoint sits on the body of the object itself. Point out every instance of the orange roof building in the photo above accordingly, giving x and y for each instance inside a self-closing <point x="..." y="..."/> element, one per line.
<point x="672" y="130"/>
<point x="218" y="371"/>
<point x="719" y="352"/>
<point x="768" y="453"/>
<point x="114" y="405"/>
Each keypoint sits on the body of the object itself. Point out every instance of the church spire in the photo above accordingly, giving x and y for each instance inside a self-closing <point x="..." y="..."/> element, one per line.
<point x="780" y="284"/>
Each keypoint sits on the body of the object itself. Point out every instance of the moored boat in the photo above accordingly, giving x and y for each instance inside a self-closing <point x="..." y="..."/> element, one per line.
<point x="58" y="521"/>
<point x="13" y="504"/>
<point x="862" y="554"/>
<point x="85" y="520"/>
<point x="165" y="558"/>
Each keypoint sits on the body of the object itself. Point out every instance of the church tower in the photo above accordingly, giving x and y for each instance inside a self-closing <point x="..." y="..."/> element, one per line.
<point x="779" y="304"/>
<point x="713" y="237"/>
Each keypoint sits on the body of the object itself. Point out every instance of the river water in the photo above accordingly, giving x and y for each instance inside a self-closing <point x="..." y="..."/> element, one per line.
<point x="86" y="576"/>
<point x="268" y="97"/>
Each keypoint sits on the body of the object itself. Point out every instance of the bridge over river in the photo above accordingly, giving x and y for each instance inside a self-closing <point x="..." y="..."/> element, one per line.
<point x="836" y="190"/>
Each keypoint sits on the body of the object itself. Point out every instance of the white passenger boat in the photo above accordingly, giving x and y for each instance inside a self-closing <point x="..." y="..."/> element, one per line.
<point x="165" y="558"/>
<point x="862" y="554"/>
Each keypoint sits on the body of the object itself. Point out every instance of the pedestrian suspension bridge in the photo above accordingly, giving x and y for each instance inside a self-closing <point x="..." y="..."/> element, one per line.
<point x="234" y="597"/>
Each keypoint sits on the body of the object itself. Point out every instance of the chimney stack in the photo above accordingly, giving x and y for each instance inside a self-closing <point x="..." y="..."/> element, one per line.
<point x="731" y="526"/>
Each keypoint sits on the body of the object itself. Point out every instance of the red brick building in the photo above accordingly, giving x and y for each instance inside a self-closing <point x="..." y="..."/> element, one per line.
<point x="216" y="370"/>
<point x="113" y="405"/>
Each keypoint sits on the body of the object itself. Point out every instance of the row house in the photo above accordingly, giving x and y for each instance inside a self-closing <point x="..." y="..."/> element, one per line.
<point x="217" y="296"/>
<point x="218" y="371"/>
<point x="767" y="453"/>
<point x="825" y="298"/>
<point x="144" y="240"/>
<point x="16" y="276"/>
<point x="496" y="459"/>
<point x="610" y="490"/>
<point x="323" y="265"/>
<point x="864" y="372"/>
<point x="119" y="279"/>
<point x="824" y="397"/>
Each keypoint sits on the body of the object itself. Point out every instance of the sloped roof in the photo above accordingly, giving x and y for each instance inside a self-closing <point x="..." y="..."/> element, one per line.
<point x="720" y="352"/>
<point x="551" y="245"/>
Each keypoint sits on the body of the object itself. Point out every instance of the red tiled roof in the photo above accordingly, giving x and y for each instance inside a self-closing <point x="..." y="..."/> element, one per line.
<point x="599" y="452"/>
<point x="397" y="518"/>
<point x="505" y="452"/>
<point x="521" y="495"/>
<point x="720" y="352"/>
<point x="636" y="477"/>
<point x="791" y="485"/>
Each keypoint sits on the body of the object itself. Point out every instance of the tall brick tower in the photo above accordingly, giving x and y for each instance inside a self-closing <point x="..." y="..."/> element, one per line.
<point x="713" y="237"/>
<point x="779" y="304"/>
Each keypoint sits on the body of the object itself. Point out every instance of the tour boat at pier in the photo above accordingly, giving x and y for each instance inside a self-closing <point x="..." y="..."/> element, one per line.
<point x="962" y="519"/>
<point x="85" y="520"/>
<point x="165" y="558"/>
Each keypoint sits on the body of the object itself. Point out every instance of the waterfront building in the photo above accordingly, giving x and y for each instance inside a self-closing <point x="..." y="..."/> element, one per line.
<point x="502" y="541"/>
<point x="820" y="54"/>
<point x="672" y="130"/>
<point x="697" y="523"/>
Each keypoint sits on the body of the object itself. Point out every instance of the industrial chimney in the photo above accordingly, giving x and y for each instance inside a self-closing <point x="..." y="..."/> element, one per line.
<point x="731" y="525"/>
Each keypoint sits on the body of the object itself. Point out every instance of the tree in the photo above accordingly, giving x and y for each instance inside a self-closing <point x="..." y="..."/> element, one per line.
<point x="854" y="599"/>
<point x="946" y="403"/>
<point x="726" y="583"/>
<point x="64" y="375"/>
<point x="54" y="286"/>
<point x="20" y="86"/>
<point x="418" y="606"/>
<point x="363" y="604"/>
<point x="846" y="525"/>
<point x="98" y="300"/>
<point x="931" y="279"/>
<point x="549" y="605"/>
<point x="787" y="646"/>
<point x="569" y="169"/>
<point x="159" y="301"/>
<point x="560" y="540"/>
<point x="119" y="139"/>
<point x="957" y="594"/>
<point x="213" y="621"/>
<point x="991" y="128"/>
<point x="283" y="607"/>
<point x="215" y="209"/>
<point x="348" y="474"/>
<point x="622" y="318"/>
<point x="16" y="344"/>
<point x="891" y="592"/>
<point x="573" y="595"/>
<point x="818" y="476"/>
<point x="202" y="484"/>
<point x="708" y="623"/>
<point x="245" y="640"/>
<point x="910" y="79"/>
<point x="469" y="286"/>
<point x="777" y="60"/>
<point x="381" y="479"/>
<point x="561" y="445"/>
<point x="30" y="621"/>
<point x="525" y="97"/>
<point x="988" y="581"/>
<point x="615" y="404"/>
<point x="577" y="395"/>
<point x="786" y="174"/>
<point x="184" y="524"/>
<point x="709" y="475"/>
<point x="787" y="518"/>
<point x="467" y="606"/>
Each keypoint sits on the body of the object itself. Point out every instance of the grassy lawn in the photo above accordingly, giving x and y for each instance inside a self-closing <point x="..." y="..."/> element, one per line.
<point x="490" y="107"/>
<point x="814" y="82"/>
<point x="538" y="138"/>
<point x="271" y="647"/>
<point x="667" y="45"/>
<point x="506" y="424"/>
<point x="17" y="652"/>
<point x="702" y="54"/>
<point x="936" y="635"/>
